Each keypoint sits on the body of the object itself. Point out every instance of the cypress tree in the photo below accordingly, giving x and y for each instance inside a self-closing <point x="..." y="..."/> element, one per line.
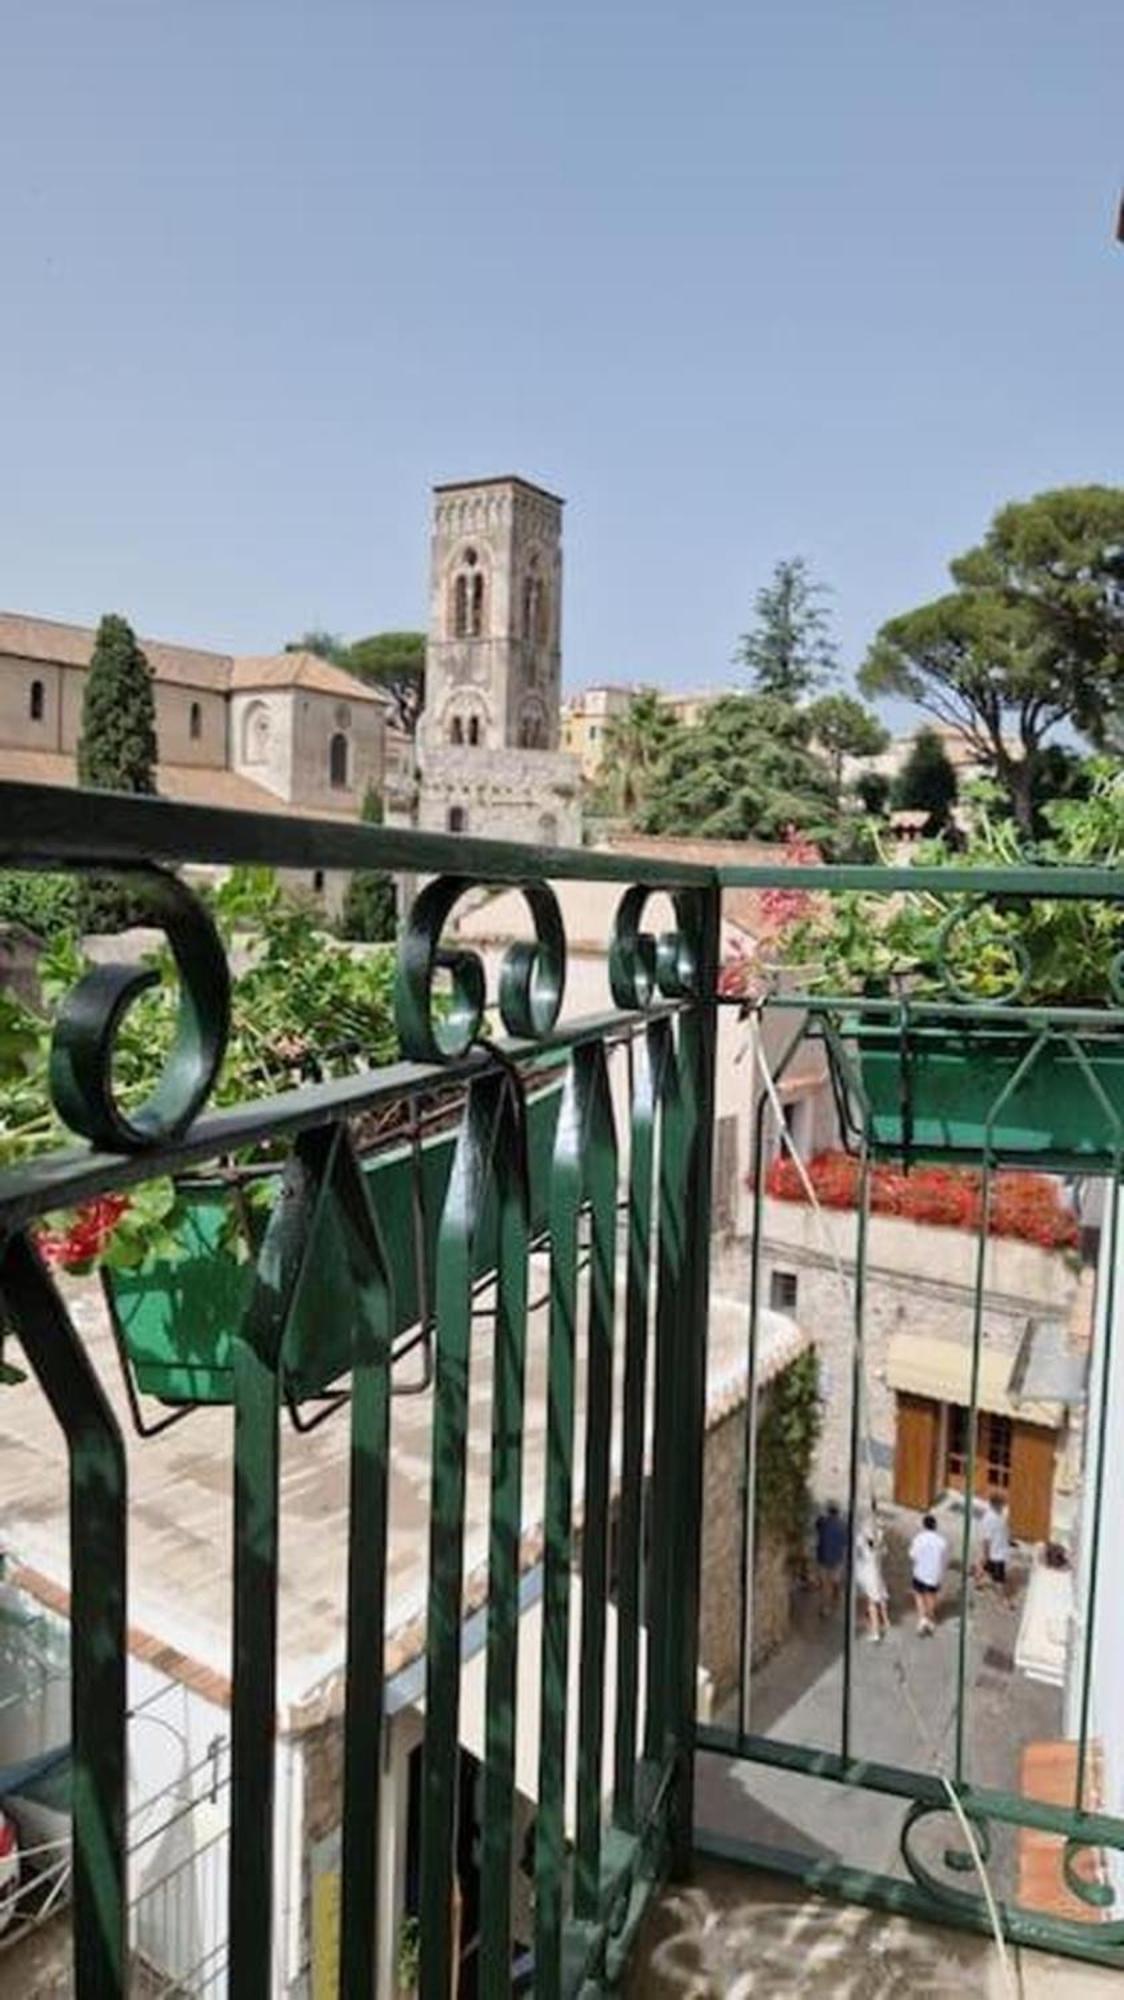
<point x="927" y="781"/>
<point x="117" y="747"/>
<point x="370" y="912"/>
<point x="116" y="751"/>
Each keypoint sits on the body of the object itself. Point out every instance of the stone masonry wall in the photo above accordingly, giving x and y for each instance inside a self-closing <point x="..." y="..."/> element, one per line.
<point x="919" y="1280"/>
<point x="720" y="1605"/>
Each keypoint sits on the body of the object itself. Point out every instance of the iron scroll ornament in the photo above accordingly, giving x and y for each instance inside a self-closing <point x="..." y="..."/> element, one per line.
<point x="1095" y="1893"/>
<point x="641" y="964"/>
<point x="532" y="976"/>
<point x="82" y="1046"/>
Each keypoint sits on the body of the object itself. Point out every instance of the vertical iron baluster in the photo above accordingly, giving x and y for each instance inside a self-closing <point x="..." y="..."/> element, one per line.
<point x="455" y="1261"/>
<point x="366" y="1575"/>
<point x="970" y="1466"/>
<point x="97" y="1612"/>
<point x="550" y="1831"/>
<point x="748" y="1492"/>
<point x="1098" y="1487"/>
<point x="511" y="1168"/>
<point x="858" y="1414"/>
<point x="700" y="914"/>
<point x="599" y="1154"/>
<point x="648" y="1054"/>
<point x="670" y="1257"/>
<point x="257" y="1369"/>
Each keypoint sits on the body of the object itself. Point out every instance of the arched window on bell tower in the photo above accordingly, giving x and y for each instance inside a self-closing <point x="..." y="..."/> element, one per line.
<point x="468" y="606"/>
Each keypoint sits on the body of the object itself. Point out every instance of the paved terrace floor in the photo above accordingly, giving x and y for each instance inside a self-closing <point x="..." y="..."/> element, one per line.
<point x="903" y="1712"/>
<point x="733" y="1935"/>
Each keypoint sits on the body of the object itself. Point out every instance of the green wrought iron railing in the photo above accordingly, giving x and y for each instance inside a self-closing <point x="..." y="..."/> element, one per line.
<point x="535" y="1151"/>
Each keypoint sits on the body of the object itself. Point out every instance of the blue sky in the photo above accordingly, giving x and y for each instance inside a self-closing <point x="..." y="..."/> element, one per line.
<point x="740" y="280"/>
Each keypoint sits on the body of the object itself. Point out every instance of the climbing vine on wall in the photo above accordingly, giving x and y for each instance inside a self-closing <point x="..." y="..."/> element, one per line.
<point x="787" y="1431"/>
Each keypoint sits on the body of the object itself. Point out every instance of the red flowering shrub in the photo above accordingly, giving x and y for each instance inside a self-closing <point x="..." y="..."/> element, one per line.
<point x="783" y="907"/>
<point x="86" y="1232"/>
<point x="1026" y="1206"/>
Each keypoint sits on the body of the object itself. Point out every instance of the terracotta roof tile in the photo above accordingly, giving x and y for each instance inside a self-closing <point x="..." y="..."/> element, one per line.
<point x="71" y="646"/>
<point x="192" y="784"/>
<point x="302" y="670"/>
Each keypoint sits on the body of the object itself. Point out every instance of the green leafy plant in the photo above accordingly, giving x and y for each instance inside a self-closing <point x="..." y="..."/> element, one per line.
<point x="409" y="1954"/>
<point x="302" y="1006"/>
<point x="787" y="1432"/>
<point x="857" y="943"/>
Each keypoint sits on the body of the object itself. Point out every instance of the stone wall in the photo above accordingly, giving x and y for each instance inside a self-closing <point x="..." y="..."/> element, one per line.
<point x="720" y="1599"/>
<point x="919" y="1279"/>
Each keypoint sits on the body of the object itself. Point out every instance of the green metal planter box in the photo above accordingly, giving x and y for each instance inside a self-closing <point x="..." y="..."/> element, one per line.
<point x="178" y="1316"/>
<point x="932" y="1088"/>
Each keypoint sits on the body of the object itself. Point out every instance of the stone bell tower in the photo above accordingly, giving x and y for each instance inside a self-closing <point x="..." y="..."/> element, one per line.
<point x="488" y="739"/>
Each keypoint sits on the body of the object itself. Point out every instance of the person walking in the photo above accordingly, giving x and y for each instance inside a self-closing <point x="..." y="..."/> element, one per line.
<point x="831" y="1556"/>
<point x="871" y="1581"/>
<point x="928" y="1560"/>
<point x="995" y="1544"/>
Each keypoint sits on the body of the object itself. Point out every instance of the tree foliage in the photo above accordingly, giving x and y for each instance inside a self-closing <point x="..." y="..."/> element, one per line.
<point x="116" y="750"/>
<point x="1032" y="637"/>
<point x="633" y="746"/>
<point x="117" y="743"/>
<point x="789" y="649"/>
<point x="395" y="662"/>
<point x="746" y="769"/>
<point x="927" y="781"/>
<point x="860" y="943"/>
<point x="370" y="906"/>
<point x="843" y="727"/>
<point x="302" y="1004"/>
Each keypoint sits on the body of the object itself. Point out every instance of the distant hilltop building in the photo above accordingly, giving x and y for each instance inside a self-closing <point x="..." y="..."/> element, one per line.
<point x="587" y="714"/>
<point x="488" y="739"/>
<point x="275" y="732"/>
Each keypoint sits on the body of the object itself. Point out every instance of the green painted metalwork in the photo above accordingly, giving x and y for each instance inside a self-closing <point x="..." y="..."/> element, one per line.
<point x="530" y="1157"/>
<point x="82" y="1046"/>
<point x="649" y="1056"/>
<point x="97" y="1608"/>
<point x="599" y="1162"/>
<point x="512" y="1173"/>
<point x="462" y="1218"/>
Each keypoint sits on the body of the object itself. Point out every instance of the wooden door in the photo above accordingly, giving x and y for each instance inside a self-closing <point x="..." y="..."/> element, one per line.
<point x="915" y="1450"/>
<point x="1032" y="1481"/>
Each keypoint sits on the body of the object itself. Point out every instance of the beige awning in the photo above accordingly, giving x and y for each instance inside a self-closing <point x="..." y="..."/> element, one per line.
<point x="942" y="1369"/>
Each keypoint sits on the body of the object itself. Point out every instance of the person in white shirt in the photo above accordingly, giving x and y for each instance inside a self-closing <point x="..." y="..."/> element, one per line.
<point x="995" y="1543"/>
<point x="870" y="1581"/>
<point x="928" y="1559"/>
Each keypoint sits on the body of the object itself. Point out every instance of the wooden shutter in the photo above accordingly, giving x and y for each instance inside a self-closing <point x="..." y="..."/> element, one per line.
<point x="915" y="1450"/>
<point x="1032" y="1482"/>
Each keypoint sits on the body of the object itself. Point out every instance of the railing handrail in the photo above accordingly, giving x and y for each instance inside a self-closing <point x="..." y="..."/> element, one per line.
<point x="41" y="827"/>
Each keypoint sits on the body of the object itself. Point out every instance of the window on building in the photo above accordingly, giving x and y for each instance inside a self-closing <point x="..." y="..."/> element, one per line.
<point x="993" y="1450"/>
<point x="318" y="880"/>
<point x="457" y="821"/>
<point x="37" y="702"/>
<point x="474" y="730"/>
<point x="782" y="1291"/>
<point x="456" y="730"/>
<point x="337" y="761"/>
<point x="195" y="722"/>
<point x="467" y="609"/>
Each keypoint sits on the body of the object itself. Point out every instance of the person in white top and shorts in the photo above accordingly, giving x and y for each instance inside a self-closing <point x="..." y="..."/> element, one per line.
<point x="995" y="1544"/>
<point x="928" y="1560"/>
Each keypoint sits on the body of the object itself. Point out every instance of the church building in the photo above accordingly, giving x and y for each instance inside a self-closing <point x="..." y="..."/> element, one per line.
<point x="488" y="739"/>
